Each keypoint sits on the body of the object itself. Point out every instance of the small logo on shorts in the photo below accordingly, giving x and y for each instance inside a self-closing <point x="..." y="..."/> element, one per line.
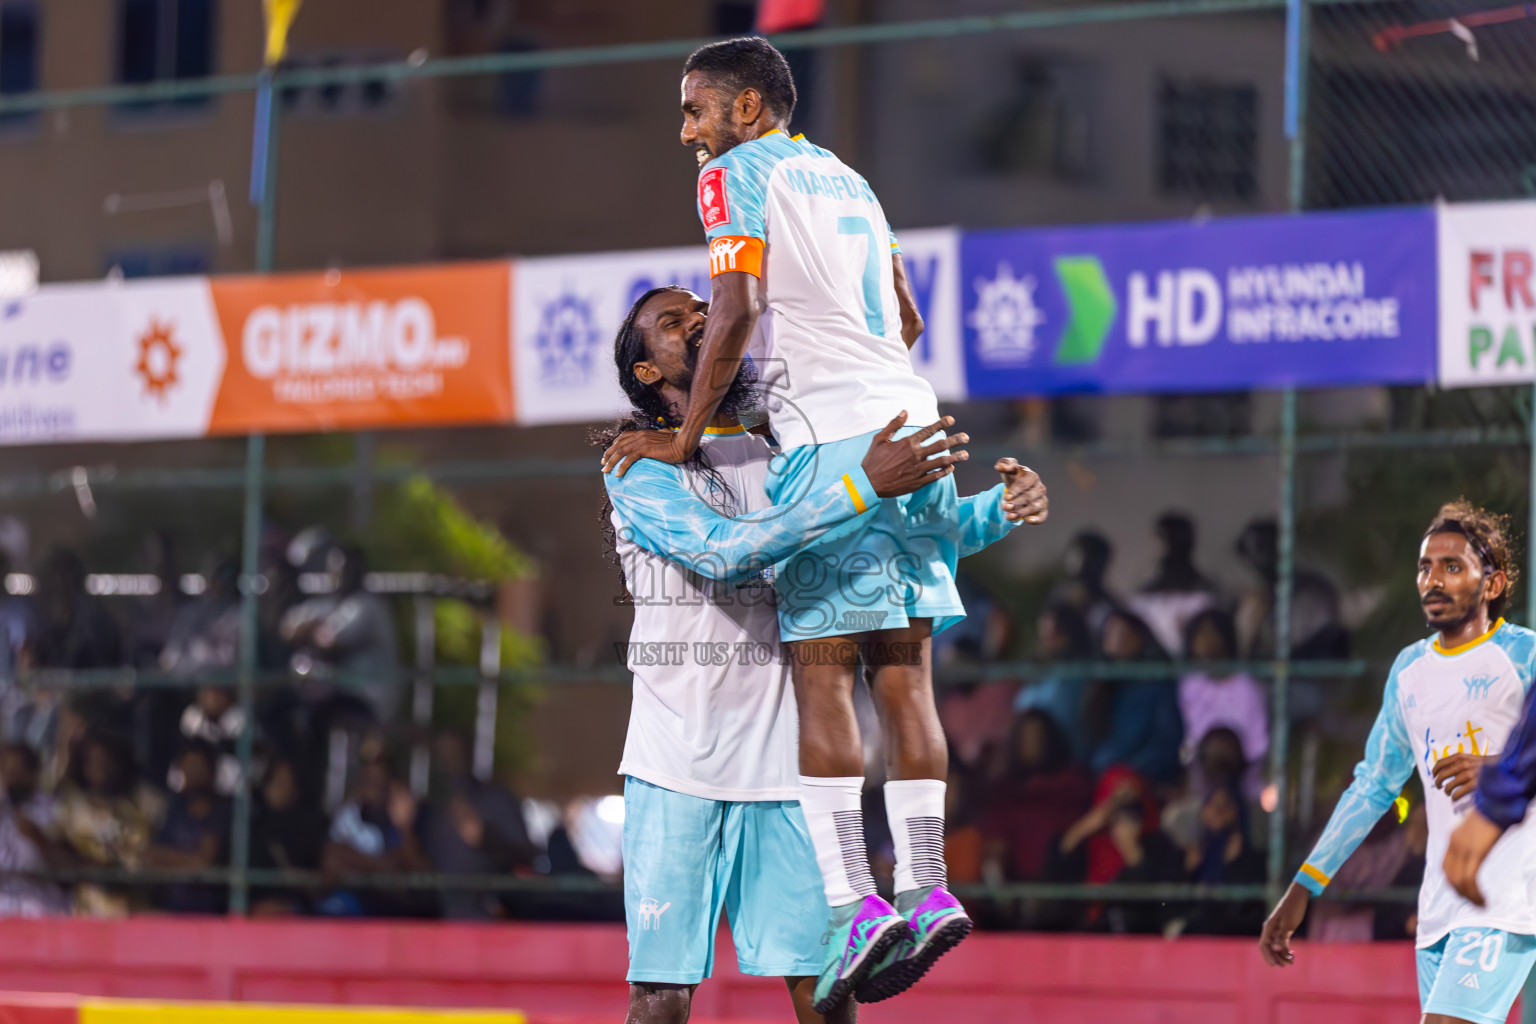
<point x="859" y="622"/>
<point x="1468" y="980"/>
<point x="650" y="914"/>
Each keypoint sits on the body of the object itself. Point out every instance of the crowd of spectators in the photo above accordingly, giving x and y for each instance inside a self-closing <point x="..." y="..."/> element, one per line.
<point x="1138" y="754"/>
<point x="100" y="782"/>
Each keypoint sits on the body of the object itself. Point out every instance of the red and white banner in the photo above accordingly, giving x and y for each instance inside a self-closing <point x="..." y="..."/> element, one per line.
<point x="197" y="356"/>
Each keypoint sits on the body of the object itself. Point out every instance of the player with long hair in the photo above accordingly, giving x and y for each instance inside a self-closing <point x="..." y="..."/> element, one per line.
<point x="1451" y="704"/>
<point x="712" y="814"/>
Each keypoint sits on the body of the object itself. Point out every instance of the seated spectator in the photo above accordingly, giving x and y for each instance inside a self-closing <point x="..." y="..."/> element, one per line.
<point x="1224" y="855"/>
<point x="107" y="818"/>
<point x="1178" y="591"/>
<point x="1317" y="627"/>
<point x="963" y="839"/>
<point x="1087" y="564"/>
<point x="972" y="709"/>
<point x="215" y="718"/>
<point x="1235" y="701"/>
<point x="1061" y="636"/>
<point x="473" y="828"/>
<point x="349" y="634"/>
<point x="1133" y="723"/>
<point x="1118" y="841"/>
<point x="374" y="832"/>
<point x="194" y="835"/>
<point x="205" y="633"/>
<point x="287" y="832"/>
<point x="1218" y="761"/>
<point x="1041" y="794"/>
<point x="27" y="844"/>
<point x="17" y="624"/>
<point x="74" y="629"/>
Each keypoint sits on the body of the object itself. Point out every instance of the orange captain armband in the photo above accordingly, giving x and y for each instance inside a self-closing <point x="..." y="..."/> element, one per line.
<point x="736" y="253"/>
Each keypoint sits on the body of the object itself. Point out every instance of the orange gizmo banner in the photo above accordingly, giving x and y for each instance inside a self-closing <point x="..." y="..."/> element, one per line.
<point x="355" y="349"/>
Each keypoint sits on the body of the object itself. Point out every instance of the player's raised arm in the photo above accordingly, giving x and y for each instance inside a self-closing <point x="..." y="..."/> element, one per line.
<point x="1379" y="777"/>
<point x="988" y="517"/>
<point x="911" y="318"/>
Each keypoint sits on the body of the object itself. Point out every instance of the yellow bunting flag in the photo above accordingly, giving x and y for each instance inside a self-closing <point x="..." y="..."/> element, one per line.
<point x="280" y="15"/>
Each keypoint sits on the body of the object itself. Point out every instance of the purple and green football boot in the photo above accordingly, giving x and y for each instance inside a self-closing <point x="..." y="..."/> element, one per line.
<point x="938" y="923"/>
<point x="858" y="935"/>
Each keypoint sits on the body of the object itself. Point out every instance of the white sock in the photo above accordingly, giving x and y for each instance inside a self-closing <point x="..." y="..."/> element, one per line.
<point x="835" y="815"/>
<point x="915" y="808"/>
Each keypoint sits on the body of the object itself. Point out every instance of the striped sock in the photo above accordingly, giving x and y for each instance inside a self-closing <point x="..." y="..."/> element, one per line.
<point x="915" y="808"/>
<point x="834" y="814"/>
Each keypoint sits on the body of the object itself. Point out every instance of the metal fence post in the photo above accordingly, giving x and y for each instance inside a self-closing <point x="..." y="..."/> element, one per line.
<point x="1284" y="586"/>
<point x="1298" y="32"/>
<point x="487" y="697"/>
<point x="1298" y="28"/>
<point x="250" y="595"/>
<point x="250" y="555"/>
<point x="422" y="692"/>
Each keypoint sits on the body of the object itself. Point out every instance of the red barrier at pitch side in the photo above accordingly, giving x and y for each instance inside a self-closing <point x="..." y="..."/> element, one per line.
<point x="571" y="974"/>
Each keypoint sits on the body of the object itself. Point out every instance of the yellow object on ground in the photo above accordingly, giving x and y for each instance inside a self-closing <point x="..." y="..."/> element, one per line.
<point x="114" y="1011"/>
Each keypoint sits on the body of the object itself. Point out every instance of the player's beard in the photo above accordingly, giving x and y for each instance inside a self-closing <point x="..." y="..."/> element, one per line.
<point x="741" y="397"/>
<point x="1455" y="616"/>
<point x="728" y="138"/>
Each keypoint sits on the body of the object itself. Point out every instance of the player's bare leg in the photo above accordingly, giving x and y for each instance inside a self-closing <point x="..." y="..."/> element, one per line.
<point x="900" y="663"/>
<point x="863" y="926"/>
<point x="657" y="1003"/>
<point x="1440" y="1018"/>
<point x="802" y="993"/>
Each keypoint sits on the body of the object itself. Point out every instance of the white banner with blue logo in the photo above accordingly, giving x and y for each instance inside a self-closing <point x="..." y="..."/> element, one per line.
<point x="109" y="362"/>
<point x="565" y="313"/>
<point x="567" y="309"/>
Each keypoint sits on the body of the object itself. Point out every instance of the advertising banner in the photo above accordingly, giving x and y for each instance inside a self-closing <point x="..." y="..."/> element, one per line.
<point x="1487" y="293"/>
<point x="932" y="259"/>
<point x="1322" y="300"/>
<point x="109" y="362"/>
<point x="189" y="357"/>
<point x="354" y="349"/>
<point x="567" y="310"/>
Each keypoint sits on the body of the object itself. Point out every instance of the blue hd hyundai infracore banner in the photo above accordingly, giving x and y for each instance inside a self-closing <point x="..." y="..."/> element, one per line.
<point x="1320" y="300"/>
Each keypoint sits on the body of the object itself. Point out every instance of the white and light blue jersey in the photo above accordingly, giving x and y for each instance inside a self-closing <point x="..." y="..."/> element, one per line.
<point x="1439" y="702"/>
<point x="713" y="714"/>
<point x="828" y="344"/>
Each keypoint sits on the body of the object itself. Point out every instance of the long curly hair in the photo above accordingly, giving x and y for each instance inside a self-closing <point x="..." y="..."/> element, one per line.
<point x="650" y="412"/>
<point x="1489" y="535"/>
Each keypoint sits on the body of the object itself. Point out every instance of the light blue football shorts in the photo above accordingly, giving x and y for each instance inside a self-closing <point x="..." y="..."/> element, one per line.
<point x="687" y="858"/>
<point x="1475" y="973"/>
<point x="878" y="571"/>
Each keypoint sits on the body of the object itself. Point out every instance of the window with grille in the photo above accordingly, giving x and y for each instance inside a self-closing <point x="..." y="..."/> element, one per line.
<point x="1207" y="139"/>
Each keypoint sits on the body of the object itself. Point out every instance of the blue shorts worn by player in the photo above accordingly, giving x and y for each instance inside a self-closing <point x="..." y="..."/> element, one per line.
<point x="1475" y="973"/>
<point x="877" y="572"/>
<point x="687" y="858"/>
